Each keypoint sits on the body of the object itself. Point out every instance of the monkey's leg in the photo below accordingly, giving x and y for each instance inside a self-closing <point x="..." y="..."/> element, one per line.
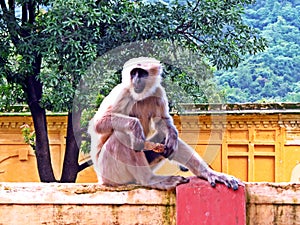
<point x="119" y="164"/>
<point x="188" y="157"/>
<point x="113" y="162"/>
<point x="124" y="126"/>
<point x="143" y="174"/>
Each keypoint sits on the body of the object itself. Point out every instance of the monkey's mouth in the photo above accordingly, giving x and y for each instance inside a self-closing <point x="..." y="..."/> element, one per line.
<point x="138" y="90"/>
<point x="138" y="87"/>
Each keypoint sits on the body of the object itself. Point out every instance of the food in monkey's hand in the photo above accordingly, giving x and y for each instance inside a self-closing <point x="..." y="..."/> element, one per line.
<point x="156" y="147"/>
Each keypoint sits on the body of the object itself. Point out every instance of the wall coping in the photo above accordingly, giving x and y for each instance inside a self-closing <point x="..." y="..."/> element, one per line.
<point x="87" y="193"/>
<point x="29" y="114"/>
<point x="240" y="108"/>
<point x="273" y="193"/>
<point x="93" y="193"/>
<point x="210" y="108"/>
<point x="56" y="203"/>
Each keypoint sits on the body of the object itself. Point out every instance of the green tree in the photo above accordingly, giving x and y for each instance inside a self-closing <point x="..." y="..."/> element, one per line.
<point x="272" y="75"/>
<point x="47" y="50"/>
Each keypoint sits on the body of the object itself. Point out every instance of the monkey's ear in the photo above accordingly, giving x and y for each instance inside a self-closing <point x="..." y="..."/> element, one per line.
<point x="155" y="70"/>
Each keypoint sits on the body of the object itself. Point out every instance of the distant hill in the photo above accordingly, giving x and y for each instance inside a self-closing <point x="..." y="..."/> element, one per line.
<point x="273" y="75"/>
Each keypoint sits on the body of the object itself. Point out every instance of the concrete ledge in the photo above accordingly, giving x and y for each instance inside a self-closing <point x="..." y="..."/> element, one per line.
<point x="273" y="203"/>
<point x="41" y="193"/>
<point x="274" y="193"/>
<point x="93" y="204"/>
<point x="62" y="204"/>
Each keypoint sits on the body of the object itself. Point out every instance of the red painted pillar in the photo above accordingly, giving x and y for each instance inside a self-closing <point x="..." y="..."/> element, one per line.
<point x="197" y="203"/>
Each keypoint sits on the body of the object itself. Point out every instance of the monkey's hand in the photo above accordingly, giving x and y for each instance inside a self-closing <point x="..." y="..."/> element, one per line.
<point x="156" y="147"/>
<point x="137" y="135"/>
<point x="171" y="143"/>
<point x="213" y="177"/>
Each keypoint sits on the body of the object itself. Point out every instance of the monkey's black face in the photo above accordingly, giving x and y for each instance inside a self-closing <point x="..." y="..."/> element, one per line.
<point x="139" y="79"/>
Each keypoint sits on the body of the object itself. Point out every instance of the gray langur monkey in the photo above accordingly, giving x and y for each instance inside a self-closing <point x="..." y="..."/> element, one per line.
<point x="135" y="111"/>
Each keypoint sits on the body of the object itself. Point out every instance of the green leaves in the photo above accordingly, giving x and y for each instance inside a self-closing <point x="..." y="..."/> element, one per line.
<point x="272" y="75"/>
<point x="28" y="135"/>
<point x="69" y="35"/>
<point x="216" y="29"/>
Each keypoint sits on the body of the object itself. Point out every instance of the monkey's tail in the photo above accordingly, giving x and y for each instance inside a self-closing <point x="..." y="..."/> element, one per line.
<point x="94" y="142"/>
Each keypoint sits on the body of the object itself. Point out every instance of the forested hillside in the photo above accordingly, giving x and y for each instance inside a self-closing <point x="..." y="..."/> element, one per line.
<point x="273" y="75"/>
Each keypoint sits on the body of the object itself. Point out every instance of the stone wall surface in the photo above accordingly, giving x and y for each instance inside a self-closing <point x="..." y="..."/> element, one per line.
<point x="93" y="204"/>
<point x="82" y="204"/>
<point x="273" y="203"/>
<point x="241" y="142"/>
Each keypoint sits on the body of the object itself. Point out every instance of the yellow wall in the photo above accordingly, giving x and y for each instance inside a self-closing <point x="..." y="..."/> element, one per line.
<point x="251" y="146"/>
<point x="17" y="159"/>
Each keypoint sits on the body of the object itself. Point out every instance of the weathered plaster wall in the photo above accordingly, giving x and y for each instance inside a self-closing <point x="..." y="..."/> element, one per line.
<point x="82" y="204"/>
<point x="88" y="204"/>
<point x="239" y="142"/>
<point x="273" y="203"/>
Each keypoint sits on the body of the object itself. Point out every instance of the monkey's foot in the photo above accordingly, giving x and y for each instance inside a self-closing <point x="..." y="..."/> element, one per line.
<point x="230" y="181"/>
<point x="169" y="182"/>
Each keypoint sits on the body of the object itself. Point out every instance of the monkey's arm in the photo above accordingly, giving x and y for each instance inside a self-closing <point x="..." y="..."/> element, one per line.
<point x="116" y="122"/>
<point x="111" y="114"/>
<point x="166" y="132"/>
<point x="128" y="129"/>
<point x="166" y="129"/>
<point x="111" y="117"/>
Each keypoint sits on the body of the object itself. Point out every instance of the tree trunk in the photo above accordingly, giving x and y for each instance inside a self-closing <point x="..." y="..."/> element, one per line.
<point x="71" y="165"/>
<point x="31" y="84"/>
<point x="33" y="89"/>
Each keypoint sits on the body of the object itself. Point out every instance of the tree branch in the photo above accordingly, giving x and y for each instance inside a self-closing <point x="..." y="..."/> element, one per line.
<point x="194" y="38"/>
<point x="85" y="165"/>
<point x="24" y="13"/>
<point x="196" y="6"/>
<point x="32" y="6"/>
<point x="185" y="25"/>
<point x="10" y="20"/>
<point x="3" y="6"/>
<point x="11" y="4"/>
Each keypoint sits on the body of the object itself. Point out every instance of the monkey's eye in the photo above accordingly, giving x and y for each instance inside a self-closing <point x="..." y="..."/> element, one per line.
<point x="132" y="75"/>
<point x="141" y="73"/>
